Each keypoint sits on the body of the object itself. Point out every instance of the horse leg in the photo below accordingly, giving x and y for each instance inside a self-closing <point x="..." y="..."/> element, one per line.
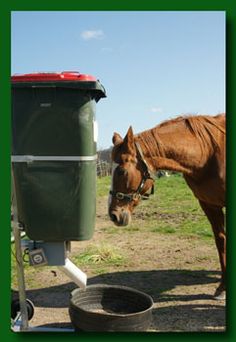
<point x="215" y="216"/>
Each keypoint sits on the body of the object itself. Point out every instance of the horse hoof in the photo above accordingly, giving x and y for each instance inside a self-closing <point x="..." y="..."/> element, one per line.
<point x="219" y="295"/>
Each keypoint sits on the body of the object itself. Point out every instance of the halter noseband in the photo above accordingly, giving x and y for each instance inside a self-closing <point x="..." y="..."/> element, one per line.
<point x="146" y="175"/>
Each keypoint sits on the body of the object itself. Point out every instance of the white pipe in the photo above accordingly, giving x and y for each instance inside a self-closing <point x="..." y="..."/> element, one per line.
<point x="73" y="272"/>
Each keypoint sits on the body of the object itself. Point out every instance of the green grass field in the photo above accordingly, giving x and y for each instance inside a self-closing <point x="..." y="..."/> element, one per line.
<point x="172" y="209"/>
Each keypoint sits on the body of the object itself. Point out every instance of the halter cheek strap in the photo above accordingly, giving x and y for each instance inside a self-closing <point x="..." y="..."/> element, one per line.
<point x="137" y="194"/>
<point x="149" y="174"/>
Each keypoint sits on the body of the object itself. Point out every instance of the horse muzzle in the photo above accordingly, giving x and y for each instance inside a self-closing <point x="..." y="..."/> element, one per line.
<point x="120" y="218"/>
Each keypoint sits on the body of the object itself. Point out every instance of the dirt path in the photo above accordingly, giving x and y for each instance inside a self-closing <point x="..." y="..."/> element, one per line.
<point x="180" y="273"/>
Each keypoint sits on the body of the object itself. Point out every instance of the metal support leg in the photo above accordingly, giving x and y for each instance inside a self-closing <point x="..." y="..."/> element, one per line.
<point x="19" y="262"/>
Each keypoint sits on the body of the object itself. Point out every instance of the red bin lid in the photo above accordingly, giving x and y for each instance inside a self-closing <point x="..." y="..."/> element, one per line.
<point x="52" y="76"/>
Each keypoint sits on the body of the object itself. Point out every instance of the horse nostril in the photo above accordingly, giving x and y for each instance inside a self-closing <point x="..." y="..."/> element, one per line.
<point x="113" y="218"/>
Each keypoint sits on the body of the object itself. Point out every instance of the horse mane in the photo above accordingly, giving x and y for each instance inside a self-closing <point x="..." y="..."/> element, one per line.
<point x="204" y="127"/>
<point x="151" y="138"/>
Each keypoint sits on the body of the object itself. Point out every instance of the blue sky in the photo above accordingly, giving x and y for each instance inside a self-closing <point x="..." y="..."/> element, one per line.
<point x="154" y="65"/>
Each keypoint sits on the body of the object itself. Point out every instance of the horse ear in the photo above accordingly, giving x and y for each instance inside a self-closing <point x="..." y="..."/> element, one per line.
<point x="117" y="139"/>
<point x="129" y="141"/>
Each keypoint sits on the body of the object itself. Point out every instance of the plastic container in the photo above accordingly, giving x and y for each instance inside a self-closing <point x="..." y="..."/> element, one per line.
<point x="54" y="135"/>
<point x="110" y="308"/>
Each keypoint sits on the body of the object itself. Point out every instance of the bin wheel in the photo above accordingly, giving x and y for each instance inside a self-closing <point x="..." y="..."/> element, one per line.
<point x="15" y="308"/>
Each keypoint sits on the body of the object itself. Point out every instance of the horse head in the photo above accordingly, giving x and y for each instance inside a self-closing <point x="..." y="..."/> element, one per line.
<point x="131" y="178"/>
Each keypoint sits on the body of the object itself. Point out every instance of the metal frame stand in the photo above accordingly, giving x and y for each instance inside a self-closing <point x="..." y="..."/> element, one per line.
<point x="21" y="280"/>
<point x="19" y="261"/>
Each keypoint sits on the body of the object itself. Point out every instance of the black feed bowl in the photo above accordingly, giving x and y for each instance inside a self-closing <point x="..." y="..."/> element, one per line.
<point x="110" y="308"/>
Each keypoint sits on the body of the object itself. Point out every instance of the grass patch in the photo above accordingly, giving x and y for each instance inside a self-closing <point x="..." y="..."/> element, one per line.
<point x="113" y="230"/>
<point x="100" y="254"/>
<point x="163" y="229"/>
<point x="103" y="186"/>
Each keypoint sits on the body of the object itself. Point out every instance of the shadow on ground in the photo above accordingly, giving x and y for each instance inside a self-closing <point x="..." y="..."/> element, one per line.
<point x="155" y="283"/>
<point x="170" y="315"/>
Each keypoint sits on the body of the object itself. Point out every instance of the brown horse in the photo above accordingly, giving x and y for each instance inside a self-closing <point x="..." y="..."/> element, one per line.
<point x="193" y="145"/>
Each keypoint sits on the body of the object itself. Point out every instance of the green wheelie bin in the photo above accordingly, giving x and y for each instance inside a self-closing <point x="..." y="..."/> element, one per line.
<point x="54" y="135"/>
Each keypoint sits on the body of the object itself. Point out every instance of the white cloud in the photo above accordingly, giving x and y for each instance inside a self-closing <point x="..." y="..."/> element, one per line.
<point x="92" y="34"/>
<point x="156" y="110"/>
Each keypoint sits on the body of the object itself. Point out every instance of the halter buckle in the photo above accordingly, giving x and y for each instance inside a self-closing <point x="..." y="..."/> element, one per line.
<point x="120" y="195"/>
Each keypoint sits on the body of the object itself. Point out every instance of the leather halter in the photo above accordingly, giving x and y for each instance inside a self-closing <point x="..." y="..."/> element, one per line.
<point x="147" y="174"/>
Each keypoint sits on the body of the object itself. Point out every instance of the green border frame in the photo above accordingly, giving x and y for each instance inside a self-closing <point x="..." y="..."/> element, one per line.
<point x="5" y="67"/>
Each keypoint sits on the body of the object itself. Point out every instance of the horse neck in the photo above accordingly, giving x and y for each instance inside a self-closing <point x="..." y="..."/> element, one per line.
<point x="171" y="148"/>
